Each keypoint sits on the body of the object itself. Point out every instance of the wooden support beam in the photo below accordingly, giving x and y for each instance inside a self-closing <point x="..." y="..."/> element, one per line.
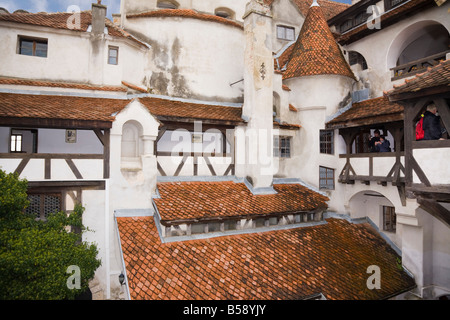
<point x="180" y="166"/>
<point x="22" y="165"/>
<point x="74" y="169"/>
<point x="435" y="209"/>
<point x="106" y="153"/>
<point x="48" y="169"/>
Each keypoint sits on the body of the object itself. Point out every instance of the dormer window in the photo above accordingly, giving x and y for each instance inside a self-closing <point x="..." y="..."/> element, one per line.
<point x="224" y="13"/>
<point x="167" y="4"/>
<point x="32" y="47"/>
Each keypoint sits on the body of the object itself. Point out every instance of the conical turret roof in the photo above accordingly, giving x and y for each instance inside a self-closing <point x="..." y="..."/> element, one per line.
<point x="316" y="51"/>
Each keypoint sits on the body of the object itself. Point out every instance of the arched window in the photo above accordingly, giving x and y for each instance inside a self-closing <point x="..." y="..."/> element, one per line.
<point x="167" y="4"/>
<point x="357" y="58"/>
<point x="224" y="13"/>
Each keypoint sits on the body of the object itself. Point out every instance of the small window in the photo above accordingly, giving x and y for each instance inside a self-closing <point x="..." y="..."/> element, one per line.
<point x="113" y="55"/>
<point x="327" y="141"/>
<point x="16" y="142"/>
<point x="23" y="140"/>
<point x="326" y="178"/>
<point x="42" y="205"/>
<point x="282" y="147"/>
<point x="33" y="47"/>
<point x="285" y="33"/>
<point x="167" y="5"/>
<point x="389" y="219"/>
<point x="224" y="13"/>
<point x="346" y="25"/>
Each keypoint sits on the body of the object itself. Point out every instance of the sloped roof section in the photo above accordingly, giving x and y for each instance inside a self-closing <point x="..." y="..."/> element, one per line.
<point x="316" y="51"/>
<point x="178" y="110"/>
<point x="186" y="13"/>
<point x="433" y="77"/>
<point x="65" y="21"/>
<point x="201" y="200"/>
<point x="368" y="112"/>
<point x="56" y="107"/>
<point x="290" y="264"/>
<point x="330" y="8"/>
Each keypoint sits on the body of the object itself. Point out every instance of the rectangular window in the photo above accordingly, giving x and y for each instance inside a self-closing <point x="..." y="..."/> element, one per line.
<point x="23" y="140"/>
<point x="327" y="141"/>
<point x="113" y="55"/>
<point x="326" y="178"/>
<point x="16" y="143"/>
<point x="282" y="147"/>
<point x="33" y="47"/>
<point x="389" y="219"/>
<point x="285" y="33"/>
<point x="44" y="204"/>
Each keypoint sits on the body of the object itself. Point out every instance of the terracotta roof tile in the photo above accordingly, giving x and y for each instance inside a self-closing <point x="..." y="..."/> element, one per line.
<point x="438" y="75"/>
<point x="59" y="107"/>
<point x="331" y="259"/>
<point x="199" y="200"/>
<point x="292" y="108"/>
<point x="315" y="51"/>
<point x="54" y="84"/>
<point x="372" y="111"/>
<point x="186" y="13"/>
<point x="58" y="20"/>
<point x="177" y="109"/>
<point x="330" y="8"/>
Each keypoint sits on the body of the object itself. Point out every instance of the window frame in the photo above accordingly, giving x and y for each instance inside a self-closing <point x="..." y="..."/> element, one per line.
<point x="34" y="49"/>
<point x="277" y="147"/>
<point x="41" y="215"/>
<point x="34" y="142"/>
<point x="15" y="143"/>
<point x="326" y="186"/>
<point x="326" y="146"/>
<point x="167" y="4"/>
<point x="285" y="28"/>
<point x="389" y="219"/>
<point x="111" y="48"/>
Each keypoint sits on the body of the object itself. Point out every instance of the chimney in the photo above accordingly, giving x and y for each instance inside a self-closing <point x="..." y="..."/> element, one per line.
<point x="258" y="96"/>
<point x="98" y="18"/>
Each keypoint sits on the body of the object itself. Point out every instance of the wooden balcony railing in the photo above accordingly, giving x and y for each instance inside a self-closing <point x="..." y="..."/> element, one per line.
<point x="411" y="68"/>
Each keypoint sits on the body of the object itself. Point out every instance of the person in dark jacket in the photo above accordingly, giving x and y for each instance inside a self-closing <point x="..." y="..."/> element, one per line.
<point x="431" y="124"/>
<point x="383" y="145"/>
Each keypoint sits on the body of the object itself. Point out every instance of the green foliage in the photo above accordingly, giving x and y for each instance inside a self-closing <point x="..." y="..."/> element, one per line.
<point x="35" y="255"/>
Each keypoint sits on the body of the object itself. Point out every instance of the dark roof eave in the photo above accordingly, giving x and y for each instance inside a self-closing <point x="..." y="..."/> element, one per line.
<point x="367" y="121"/>
<point x="55" y="123"/>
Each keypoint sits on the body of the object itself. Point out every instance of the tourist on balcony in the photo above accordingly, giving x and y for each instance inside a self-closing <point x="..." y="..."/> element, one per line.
<point x="431" y="124"/>
<point x="374" y="140"/>
<point x="383" y="145"/>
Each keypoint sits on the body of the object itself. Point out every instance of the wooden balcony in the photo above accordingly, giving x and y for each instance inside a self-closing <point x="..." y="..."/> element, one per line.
<point x="411" y="68"/>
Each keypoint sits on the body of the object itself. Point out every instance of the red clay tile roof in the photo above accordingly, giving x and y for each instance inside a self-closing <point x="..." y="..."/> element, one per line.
<point x="372" y="111"/>
<point x="438" y="75"/>
<point x="49" y="106"/>
<point x="54" y="84"/>
<point x="59" y="107"/>
<point x="331" y="259"/>
<point x="209" y="200"/>
<point x="134" y="87"/>
<point x="315" y="51"/>
<point x="177" y="109"/>
<point x="330" y="8"/>
<point x="386" y="19"/>
<point x="58" y="20"/>
<point x="186" y="13"/>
